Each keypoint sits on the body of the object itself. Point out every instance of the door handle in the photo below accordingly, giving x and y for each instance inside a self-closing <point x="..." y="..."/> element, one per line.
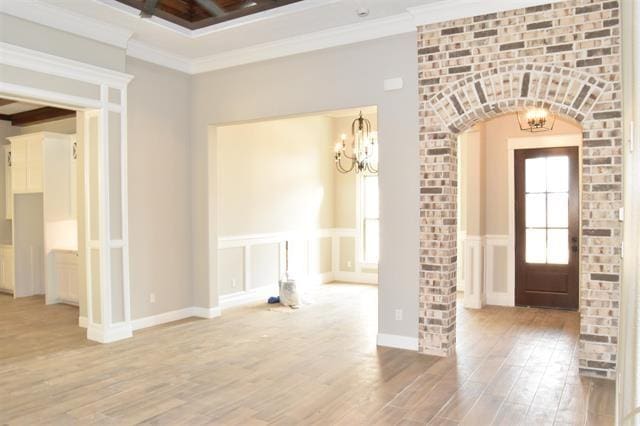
<point x="574" y="244"/>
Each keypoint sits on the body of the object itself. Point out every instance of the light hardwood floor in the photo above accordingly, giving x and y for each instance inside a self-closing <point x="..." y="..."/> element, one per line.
<point x="317" y="365"/>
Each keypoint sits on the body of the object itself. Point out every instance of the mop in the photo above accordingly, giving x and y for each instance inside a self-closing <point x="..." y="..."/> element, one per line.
<point x="287" y="285"/>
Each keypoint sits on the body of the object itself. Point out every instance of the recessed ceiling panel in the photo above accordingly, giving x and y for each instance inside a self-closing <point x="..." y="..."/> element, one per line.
<point x="195" y="14"/>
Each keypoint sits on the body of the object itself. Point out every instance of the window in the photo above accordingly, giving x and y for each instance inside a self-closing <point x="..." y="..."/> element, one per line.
<point x="547" y="210"/>
<point x="370" y="219"/>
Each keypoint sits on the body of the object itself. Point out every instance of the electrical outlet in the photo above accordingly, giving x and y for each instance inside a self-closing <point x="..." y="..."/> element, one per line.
<point x="349" y="264"/>
<point x="398" y="314"/>
<point x="234" y="283"/>
<point x="152" y="298"/>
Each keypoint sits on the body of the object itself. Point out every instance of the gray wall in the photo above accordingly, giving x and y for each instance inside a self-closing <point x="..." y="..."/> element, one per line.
<point x="342" y="77"/>
<point x="38" y="37"/>
<point x="159" y="197"/>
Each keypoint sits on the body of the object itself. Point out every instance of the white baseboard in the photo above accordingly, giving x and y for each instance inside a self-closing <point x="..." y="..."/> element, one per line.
<point x="83" y="322"/>
<point x="356" y="277"/>
<point x="245" y="297"/>
<point x="263" y="293"/>
<point x="206" y="312"/>
<point x="112" y="333"/>
<point x="398" y="342"/>
<point x="500" y="299"/>
<point x="163" y="318"/>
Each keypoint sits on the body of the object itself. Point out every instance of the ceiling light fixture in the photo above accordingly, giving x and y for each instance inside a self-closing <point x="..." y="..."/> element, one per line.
<point x="536" y="120"/>
<point x="363" y="152"/>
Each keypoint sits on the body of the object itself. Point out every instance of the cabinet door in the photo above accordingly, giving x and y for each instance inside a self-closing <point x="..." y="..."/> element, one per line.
<point x="19" y="166"/>
<point x="34" y="165"/>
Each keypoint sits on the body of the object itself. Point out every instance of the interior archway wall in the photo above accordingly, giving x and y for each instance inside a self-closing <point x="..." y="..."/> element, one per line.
<point x="564" y="57"/>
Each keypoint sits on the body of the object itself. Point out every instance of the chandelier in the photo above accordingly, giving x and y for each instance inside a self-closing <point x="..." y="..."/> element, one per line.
<point x="536" y="120"/>
<point x="363" y="156"/>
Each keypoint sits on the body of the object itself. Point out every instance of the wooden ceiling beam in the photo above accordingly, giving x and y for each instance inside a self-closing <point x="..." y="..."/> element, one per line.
<point x="39" y="115"/>
<point x="4" y="102"/>
<point x="149" y="8"/>
<point x="212" y="7"/>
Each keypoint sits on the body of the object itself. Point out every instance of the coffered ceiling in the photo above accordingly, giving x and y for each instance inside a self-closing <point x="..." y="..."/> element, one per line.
<point x="194" y="14"/>
<point x="186" y="36"/>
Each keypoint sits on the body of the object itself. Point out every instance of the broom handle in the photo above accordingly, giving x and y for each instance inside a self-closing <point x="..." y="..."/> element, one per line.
<point x="286" y="257"/>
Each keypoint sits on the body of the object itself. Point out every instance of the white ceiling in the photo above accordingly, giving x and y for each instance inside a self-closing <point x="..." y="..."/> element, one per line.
<point x="295" y="28"/>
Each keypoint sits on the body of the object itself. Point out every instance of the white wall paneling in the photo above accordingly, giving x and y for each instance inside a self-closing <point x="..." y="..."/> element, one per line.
<point x="105" y="226"/>
<point x="485" y="270"/>
<point x="306" y="257"/>
<point x="497" y="270"/>
<point x="473" y="272"/>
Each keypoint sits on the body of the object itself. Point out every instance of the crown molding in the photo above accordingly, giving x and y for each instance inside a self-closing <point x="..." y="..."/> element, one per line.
<point x="143" y="51"/>
<point x="348" y="34"/>
<point x="339" y="36"/>
<point x="35" y="60"/>
<point x="447" y="10"/>
<point x="227" y="25"/>
<point x="45" y="14"/>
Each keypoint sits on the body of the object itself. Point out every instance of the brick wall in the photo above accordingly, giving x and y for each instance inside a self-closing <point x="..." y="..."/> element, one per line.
<point x="565" y="57"/>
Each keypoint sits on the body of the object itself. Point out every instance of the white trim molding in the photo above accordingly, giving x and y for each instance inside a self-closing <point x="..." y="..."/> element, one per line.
<point x="56" y="17"/>
<point x="177" y="315"/>
<point x="473" y="252"/>
<point x="397" y="342"/>
<point x="252" y="293"/>
<point x="492" y="297"/>
<point x="110" y="333"/>
<point x="34" y="60"/>
<point x="369" y="29"/>
<point x="83" y="322"/>
<point x="333" y="37"/>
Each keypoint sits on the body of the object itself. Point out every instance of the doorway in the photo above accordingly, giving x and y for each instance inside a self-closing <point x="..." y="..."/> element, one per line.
<point x="293" y="200"/>
<point x="547" y="227"/>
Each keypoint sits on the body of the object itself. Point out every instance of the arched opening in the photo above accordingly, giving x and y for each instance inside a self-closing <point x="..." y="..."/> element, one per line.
<point x="455" y="108"/>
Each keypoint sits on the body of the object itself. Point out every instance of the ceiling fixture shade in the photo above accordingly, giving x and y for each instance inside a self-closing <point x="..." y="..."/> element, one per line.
<point x="362" y="156"/>
<point x="536" y="120"/>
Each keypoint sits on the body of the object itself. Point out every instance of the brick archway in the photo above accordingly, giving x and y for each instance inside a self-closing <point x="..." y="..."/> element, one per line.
<point x="459" y="105"/>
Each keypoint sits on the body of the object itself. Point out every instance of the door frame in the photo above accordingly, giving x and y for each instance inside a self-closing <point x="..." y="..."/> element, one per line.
<point x="104" y="92"/>
<point x="535" y="142"/>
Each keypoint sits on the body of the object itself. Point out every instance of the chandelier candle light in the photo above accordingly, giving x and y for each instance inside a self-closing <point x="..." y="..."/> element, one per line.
<point x="364" y="148"/>
<point x="536" y="120"/>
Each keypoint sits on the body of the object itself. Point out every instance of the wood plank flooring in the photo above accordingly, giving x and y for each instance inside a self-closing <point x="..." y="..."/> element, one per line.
<point x="317" y="365"/>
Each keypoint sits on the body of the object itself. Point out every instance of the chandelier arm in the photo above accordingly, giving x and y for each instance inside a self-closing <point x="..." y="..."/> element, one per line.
<point x="371" y="169"/>
<point x="349" y="157"/>
<point x="341" y="168"/>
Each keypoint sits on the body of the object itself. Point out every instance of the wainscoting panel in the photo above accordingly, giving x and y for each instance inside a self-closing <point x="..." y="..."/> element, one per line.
<point x="474" y="267"/>
<point x="251" y="265"/>
<point x="498" y="286"/>
<point x="484" y="270"/>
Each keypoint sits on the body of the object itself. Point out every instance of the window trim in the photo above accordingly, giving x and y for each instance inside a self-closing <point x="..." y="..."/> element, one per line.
<point x="360" y="219"/>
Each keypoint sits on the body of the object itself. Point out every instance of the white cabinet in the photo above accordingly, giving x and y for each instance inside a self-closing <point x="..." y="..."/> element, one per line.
<point x="8" y="189"/>
<point x="26" y="163"/>
<point x="45" y="160"/>
<point x="6" y="269"/>
<point x="65" y="266"/>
